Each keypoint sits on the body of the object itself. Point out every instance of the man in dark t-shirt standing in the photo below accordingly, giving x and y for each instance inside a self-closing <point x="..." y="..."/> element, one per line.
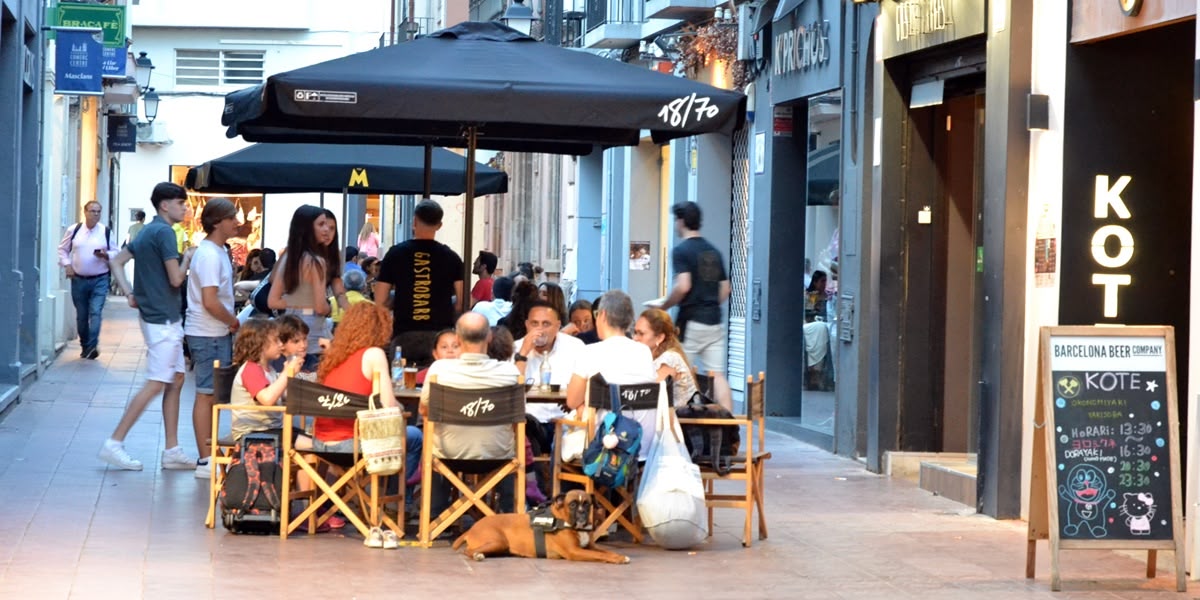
<point x="700" y="288"/>
<point x="428" y="277"/>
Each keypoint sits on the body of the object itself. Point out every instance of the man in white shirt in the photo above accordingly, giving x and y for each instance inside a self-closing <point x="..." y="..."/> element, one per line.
<point x="84" y="253"/>
<point x="501" y="303"/>
<point x="472" y="370"/>
<point x="619" y="359"/>
<point x="210" y="321"/>
<point x="542" y="346"/>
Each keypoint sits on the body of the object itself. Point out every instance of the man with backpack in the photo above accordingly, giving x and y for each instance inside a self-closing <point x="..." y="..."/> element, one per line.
<point x="84" y="253"/>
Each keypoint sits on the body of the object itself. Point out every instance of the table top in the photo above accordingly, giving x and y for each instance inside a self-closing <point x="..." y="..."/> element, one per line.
<point x="412" y="395"/>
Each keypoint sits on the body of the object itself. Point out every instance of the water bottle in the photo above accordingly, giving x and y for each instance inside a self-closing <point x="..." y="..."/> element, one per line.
<point x="544" y="373"/>
<point x="397" y="366"/>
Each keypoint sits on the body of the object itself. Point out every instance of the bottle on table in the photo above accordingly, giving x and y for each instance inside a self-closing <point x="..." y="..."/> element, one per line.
<point x="397" y="366"/>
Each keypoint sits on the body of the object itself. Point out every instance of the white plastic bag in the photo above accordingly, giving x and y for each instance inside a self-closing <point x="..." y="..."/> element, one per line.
<point x="573" y="440"/>
<point x="671" y="497"/>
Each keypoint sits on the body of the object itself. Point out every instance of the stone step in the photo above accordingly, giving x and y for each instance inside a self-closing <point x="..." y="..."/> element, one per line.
<point x="952" y="479"/>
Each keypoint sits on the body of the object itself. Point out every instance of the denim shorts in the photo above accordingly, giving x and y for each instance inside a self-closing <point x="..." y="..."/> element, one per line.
<point x="205" y="350"/>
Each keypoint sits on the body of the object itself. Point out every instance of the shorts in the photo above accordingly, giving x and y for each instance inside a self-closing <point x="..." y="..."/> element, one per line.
<point x="205" y="350"/>
<point x="705" y="347"/>
<point x="344" y="446"/>
<point x="164" y="350"/>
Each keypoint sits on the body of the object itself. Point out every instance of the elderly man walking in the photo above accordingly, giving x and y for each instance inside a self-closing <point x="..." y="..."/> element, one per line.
<point x="84" y="253"/>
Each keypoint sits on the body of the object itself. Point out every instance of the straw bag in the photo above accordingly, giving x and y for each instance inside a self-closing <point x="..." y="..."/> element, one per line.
<point x="381" y="436"/>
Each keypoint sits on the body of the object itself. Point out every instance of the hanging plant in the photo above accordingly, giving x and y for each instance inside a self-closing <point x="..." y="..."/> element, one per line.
<point x="702" y="45"/>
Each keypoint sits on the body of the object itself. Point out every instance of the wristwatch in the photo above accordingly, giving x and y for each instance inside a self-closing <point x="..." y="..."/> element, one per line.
<point x="518" y="357"/>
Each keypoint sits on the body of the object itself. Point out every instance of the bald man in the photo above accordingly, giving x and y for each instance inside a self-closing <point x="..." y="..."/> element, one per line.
<point x="472" y="370"/>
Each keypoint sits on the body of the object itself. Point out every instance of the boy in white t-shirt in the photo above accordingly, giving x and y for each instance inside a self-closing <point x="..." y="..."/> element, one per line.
<point x="210" y="320"/>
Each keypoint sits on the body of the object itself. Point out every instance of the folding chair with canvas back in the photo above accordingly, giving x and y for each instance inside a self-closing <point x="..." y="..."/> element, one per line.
<point x="307" y="399"/>
<point x="222" y="450"/>
<point x="746" y="468"/>
<point x="490" y="407"/>
<point x="599" y="395"/>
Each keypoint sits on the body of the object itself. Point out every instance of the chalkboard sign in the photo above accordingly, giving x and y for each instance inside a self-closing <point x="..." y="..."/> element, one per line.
<point x="1109" y="457"/>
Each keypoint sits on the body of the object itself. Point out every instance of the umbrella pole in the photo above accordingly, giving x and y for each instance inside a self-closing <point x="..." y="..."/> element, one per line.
<point x="428" y="184"/>
<point x="469" y="218"/>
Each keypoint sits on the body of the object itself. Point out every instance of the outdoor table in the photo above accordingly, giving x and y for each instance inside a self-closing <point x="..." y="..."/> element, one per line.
<point x="411" y="397"/>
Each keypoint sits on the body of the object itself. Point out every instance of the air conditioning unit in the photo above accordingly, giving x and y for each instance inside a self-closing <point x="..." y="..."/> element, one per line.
<point x="154" y="134"/>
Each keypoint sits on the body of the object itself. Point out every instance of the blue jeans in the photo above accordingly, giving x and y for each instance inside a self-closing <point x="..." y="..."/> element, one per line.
<point x="88" y="294"/>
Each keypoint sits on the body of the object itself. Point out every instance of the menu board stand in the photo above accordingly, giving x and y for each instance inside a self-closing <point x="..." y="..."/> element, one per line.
<point x="1106" y="446"/>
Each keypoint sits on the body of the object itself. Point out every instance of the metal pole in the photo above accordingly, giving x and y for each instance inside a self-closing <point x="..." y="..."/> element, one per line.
<point x="428" y="185"/>
<point x="469" y="218"/>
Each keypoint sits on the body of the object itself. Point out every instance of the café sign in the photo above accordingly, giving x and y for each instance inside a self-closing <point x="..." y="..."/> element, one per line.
<point x="802" y="48"/>
<point x="912" y="25"/>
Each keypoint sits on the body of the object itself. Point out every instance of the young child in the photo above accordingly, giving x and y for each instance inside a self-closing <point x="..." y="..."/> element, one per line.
<point x="445" y="346"/>
<point x="293" y="333"/>
<point x="257" y="344"/>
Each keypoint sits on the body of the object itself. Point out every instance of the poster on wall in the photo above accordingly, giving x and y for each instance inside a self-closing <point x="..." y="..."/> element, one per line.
<point x="639" y="256"/>
<point x="249" y="215"/>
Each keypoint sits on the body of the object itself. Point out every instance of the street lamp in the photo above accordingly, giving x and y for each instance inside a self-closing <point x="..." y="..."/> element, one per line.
<point x="518" y="16"/>
<point x="142" y="68"/>
<point x="150" y="100"/>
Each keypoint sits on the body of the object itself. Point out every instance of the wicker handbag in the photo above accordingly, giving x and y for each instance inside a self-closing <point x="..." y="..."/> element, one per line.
<point x="381" y="435"/>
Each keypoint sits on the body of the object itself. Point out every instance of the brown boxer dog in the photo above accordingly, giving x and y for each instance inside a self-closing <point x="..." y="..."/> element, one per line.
<point x="566" y="529"/>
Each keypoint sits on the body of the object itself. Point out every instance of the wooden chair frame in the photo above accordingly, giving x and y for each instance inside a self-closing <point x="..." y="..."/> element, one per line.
<point x="351" y="486"/>
<point x="470" y="496"/>
<point x="222" y="451"/>
<point x="623" y="512"/>
<point x="747" y="466"/>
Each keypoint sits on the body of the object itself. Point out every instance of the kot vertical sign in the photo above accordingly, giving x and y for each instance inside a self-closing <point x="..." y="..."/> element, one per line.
<point x="78" y="62"/>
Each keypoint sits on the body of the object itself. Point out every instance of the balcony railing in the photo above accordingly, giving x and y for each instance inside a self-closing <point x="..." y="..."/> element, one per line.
<point x="600" y="12"/>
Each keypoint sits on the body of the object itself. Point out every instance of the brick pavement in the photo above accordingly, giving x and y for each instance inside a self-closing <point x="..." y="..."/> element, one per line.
<point x="71" y="528"/>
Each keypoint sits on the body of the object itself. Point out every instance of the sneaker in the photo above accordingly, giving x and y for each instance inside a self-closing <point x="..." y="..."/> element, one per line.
<point x="113" y="453"/>
<point x="390" y="540"/>
<point x="203" y="469"/>
<point x="92" y="354"/>
<point x="176" y="459"/>
<point x="375" y="538"/>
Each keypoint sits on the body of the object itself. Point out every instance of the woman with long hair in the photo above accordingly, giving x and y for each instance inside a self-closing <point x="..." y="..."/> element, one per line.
<point x="308" y="266"/>
<point x="552" y="293"/>
<point x="368" y="240"/>
<point x="655" y="329"/>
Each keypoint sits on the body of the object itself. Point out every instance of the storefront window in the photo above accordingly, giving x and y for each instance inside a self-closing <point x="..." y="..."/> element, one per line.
<point x="823" y="199"/>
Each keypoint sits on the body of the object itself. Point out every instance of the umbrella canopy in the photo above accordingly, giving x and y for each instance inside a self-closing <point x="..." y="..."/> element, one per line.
<point x="519" y="93"/>
<point x="337" y="168"/>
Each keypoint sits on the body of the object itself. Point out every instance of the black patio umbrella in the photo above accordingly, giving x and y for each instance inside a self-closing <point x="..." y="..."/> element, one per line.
<point x="479" y="85"/>
<point x="341" y="168"/>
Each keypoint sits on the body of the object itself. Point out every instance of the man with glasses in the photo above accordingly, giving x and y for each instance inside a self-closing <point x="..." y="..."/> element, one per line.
<point x="84" y="253"/>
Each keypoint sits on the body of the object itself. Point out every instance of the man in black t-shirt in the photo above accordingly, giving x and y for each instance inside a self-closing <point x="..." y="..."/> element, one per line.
<point x="428" y="277"/>
<point x="700" y="288"/>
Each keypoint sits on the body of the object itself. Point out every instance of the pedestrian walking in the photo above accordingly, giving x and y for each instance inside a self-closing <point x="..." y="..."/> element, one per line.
<point x="428" y="277"/>
<point x="700" y="288"/>
<point x="211" y="321"/>
<point x="84" y="253"/>
<point x="158" y="274"/>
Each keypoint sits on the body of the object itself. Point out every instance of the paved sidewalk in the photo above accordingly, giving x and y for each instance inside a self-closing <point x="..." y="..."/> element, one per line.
<point x="71" y="528"/>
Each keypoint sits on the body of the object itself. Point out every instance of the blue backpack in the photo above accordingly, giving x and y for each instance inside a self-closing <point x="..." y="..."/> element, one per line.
<point x="609" y="467"/>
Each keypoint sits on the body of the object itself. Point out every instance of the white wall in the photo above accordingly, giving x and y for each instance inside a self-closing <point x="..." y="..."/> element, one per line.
<point x="319" y="15"/>
<point x="1045" y="203"/>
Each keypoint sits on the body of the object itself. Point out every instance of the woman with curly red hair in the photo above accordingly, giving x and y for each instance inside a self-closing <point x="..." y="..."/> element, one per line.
<point x="655" y="329"/>
<point x="355" y="356"/>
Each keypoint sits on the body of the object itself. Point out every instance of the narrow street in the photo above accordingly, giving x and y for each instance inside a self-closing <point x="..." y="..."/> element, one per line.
<point x="74" y="529"/>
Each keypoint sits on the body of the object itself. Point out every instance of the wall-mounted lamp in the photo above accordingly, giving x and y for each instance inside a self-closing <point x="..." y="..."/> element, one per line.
<point x="1037" y="111"/>
<point x="150" y="102"/>
<point x="518" y="16"/>
<point x="142" y="69"/>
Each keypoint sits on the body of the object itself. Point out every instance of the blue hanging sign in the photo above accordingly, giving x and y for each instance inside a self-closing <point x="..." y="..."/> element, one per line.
<point x="122" y="133"/>
<point x="113" y="60"/>
<point x="77" y="64"/>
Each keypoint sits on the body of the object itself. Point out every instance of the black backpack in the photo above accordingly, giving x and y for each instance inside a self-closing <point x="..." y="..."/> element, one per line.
<point x="711" y="445"/>
<point x="250" y="496"/>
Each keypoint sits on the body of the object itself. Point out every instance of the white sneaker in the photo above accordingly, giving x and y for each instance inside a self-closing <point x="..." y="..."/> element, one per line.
<point x="176" y="459"/>
<point x="203" y="469"/>
<point x="113" y="453"/>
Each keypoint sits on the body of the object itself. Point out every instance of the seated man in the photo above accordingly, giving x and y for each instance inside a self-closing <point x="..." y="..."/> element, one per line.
<point x="500" y="305"/>
<point x="619" y="359"/>
<point x="355" y="282"/>
<point x="543" y="348"/>
<point x="471" y="370"/>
